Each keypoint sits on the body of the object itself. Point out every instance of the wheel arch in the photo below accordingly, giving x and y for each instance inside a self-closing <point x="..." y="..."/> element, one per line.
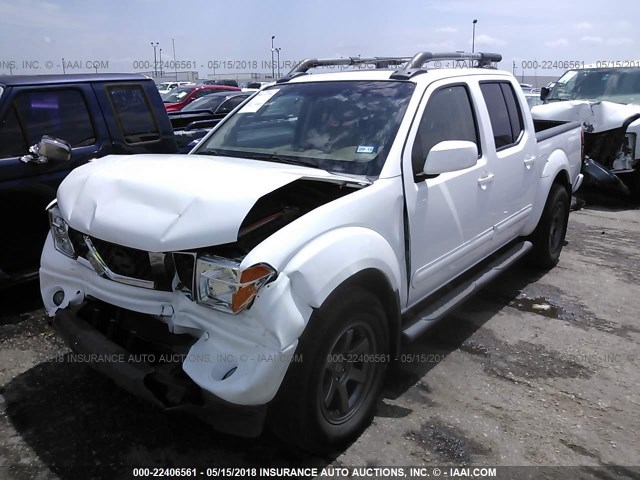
<point x="375" y="282"/>
<point x="558" y="174"/>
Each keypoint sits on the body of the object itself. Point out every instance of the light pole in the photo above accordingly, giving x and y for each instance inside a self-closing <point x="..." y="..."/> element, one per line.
<point x="273" y="69"/>
<point x="473" y="37"/>
<point x="175" y="63"/>
<point x="278" y="55"/>
<point x="160" y="62"/>
<point x="155" y="61"/>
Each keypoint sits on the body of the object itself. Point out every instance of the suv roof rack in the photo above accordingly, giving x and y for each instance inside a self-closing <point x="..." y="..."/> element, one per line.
<point x="309" y="63"/>
<point x="413" y="65"/>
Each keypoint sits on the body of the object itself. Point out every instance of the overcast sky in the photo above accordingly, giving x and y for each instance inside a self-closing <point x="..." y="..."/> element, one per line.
<point x="120" y="31"/>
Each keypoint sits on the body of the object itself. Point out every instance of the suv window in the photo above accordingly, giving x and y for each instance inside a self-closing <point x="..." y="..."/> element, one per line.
<point x="134" y="115"/>
<point x="12" y="140"/>
<point x="231" y="103"/>
<point x="448" y="115"/>
<point x="203" y="93"/>
<point x="58" y="113"/>
<point x="504" y="111"/>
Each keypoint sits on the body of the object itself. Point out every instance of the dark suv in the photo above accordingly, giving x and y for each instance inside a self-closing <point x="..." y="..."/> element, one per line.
<point x="81" y="117"/>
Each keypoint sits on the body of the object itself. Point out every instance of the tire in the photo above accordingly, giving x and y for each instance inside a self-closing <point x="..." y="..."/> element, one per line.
<point x="548" y="237"/>
<point x="328" y="397"/>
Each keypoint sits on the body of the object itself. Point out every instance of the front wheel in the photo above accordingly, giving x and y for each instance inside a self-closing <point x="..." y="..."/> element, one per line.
<point x="548" y="237"/>
<point x="330" y="391"/>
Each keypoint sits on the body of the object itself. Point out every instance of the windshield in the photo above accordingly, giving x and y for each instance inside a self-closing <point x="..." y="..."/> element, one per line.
<point x="176" y="94"/>
<point x="345" y="127"/>
<point x="620" y="85"/>
<point x="208" y="102"/>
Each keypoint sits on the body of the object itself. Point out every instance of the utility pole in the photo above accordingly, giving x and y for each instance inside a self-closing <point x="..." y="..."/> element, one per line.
<point x="278" y="53"/>
<point x="473" y="36"/>
<point x="155" y="60"/>
<point x="160" y="62"/>
<point x="273" y="68"/>
<point x="175" y="63"/>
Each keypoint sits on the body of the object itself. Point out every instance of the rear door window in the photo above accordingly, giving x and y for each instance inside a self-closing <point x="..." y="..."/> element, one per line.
<point x="133" y="114"/>
<point x="505" y="113"/>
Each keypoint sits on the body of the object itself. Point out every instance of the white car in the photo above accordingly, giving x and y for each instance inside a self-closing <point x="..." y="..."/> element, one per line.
<point x="606" y="100"/>
<point x="277" y="267"/>
<point x="166" y="87"/>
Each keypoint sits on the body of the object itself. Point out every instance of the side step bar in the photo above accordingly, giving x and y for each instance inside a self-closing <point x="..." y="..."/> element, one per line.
<point x="445" y="304"/>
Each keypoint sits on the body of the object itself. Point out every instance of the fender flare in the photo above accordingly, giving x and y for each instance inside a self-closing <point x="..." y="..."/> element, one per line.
<point x="556" y="170"/>
<point x="335" y="256"/>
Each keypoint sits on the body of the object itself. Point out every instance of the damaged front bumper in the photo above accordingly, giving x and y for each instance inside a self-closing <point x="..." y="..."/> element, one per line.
<point x="238" y="359"/>
<point x="155" y="377"/>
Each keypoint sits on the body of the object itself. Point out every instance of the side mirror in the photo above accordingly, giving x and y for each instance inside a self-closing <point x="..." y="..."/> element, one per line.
<point x="450" y="156"/>
<point x="49" y="149"/>
<point x="544" y="93"/>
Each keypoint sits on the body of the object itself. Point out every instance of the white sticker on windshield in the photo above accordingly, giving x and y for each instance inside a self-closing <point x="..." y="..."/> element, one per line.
<point x="259" y="100"/>
<point x="365" y="149"/>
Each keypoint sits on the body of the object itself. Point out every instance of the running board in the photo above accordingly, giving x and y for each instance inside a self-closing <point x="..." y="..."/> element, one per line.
<point x="443" y="305"/>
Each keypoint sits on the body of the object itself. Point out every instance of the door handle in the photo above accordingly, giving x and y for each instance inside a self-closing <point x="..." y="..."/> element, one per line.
<point x="484" y="181"/>
<point x="528" y="162"/>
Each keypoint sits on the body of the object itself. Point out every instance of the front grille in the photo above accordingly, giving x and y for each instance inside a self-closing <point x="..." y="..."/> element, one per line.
<point x="126" y="261"/>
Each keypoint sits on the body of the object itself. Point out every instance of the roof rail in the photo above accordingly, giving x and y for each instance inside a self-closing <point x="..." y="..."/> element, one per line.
<point x="414" y="66"/>
<point x="308" y="64"/>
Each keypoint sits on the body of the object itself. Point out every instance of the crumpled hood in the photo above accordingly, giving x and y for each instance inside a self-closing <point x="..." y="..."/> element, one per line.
<point x="601" y="116"/>
<point x="163" y="203"/>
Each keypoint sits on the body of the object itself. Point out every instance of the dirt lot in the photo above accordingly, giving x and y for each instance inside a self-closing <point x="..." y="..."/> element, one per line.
<point x="537" y="370"/>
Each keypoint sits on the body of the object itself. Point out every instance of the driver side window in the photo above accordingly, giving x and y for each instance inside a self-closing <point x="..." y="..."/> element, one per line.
<point x="448" y="115"/>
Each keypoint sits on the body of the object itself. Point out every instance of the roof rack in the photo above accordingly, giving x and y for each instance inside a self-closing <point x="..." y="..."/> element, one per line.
<point x="413" y="65"/>
<point x="308" y="64"/>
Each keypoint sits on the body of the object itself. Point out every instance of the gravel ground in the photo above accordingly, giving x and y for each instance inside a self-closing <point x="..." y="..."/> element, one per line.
<point x="538" y="369"/>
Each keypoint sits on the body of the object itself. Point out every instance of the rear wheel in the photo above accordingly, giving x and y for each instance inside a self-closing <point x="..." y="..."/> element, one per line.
<point x="328" y="397"/>
<point x="548" y="237"/>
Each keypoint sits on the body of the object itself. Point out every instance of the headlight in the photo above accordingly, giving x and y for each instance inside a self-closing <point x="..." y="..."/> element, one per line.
<point x="222" y="286"/>
<point x="60" y="232"/>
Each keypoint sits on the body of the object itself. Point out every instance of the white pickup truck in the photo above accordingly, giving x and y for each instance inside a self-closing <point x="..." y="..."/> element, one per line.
<point x="274" y="271"/>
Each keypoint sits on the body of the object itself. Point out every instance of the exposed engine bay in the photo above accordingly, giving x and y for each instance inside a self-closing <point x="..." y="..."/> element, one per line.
<point x="277" y="209"/>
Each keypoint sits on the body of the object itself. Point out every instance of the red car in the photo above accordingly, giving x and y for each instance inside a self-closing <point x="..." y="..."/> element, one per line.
<point x="180" y="97"/>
